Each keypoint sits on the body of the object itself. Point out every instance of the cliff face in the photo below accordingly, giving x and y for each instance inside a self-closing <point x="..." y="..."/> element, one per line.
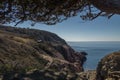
<point x="23" y="50"/>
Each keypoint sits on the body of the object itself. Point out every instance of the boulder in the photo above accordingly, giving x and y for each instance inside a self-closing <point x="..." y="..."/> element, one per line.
<point x="109" y="67"/>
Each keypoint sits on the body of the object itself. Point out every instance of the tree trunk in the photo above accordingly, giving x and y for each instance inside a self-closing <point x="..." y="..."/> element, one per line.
<point x="109" y="6"/>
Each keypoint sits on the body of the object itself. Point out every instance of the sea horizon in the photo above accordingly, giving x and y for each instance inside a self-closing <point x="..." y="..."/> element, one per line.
<point x="92" y="41"/>
<point x="96" y="50"/>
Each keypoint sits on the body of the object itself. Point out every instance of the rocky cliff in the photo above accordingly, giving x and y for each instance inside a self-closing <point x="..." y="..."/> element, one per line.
<point x="25" y="51"/>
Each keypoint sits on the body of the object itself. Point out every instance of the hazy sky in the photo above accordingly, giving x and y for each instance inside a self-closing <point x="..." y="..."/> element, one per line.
<point x="74" y="29"/>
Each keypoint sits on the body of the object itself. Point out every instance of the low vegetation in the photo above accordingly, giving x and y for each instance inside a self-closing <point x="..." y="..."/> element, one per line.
<point x="27" y="51"/>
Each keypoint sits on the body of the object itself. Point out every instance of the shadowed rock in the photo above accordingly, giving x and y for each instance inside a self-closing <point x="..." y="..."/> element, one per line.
<point x="109" y="67"/>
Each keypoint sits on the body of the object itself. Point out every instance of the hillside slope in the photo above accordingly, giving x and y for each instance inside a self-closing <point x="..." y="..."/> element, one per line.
<point x="23" y="50"/>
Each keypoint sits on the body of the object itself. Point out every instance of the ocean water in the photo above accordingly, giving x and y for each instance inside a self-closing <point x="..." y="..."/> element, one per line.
<point x="95" y="51"/>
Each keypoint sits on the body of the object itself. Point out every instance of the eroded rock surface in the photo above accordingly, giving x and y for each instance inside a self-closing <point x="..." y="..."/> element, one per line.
<point x="109" y="67"/>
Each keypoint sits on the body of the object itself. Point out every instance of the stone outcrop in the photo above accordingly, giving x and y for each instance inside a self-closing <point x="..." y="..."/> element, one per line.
<point x="109" y="67"/>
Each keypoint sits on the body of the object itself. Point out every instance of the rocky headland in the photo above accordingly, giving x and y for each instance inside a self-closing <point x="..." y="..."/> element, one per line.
<point x="28" y="53"/>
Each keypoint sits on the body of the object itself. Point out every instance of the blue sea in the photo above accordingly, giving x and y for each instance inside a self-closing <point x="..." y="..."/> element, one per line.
<point x="95" y="50"/>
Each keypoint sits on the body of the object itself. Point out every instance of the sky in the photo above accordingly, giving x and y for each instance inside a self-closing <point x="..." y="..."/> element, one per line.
<point x="75" y="29"/>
